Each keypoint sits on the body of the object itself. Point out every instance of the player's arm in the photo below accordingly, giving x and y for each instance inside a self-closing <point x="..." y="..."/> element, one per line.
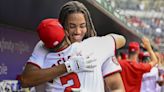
<point x="119" y="40"/>
<point x="33" y="75"/>
<point x="114" y="83"/>
<point x="147" y="45"/>
<point x="111" y="72"/>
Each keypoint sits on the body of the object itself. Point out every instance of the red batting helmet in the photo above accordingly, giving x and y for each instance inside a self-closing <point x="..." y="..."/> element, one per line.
<point x="51" y="32"/>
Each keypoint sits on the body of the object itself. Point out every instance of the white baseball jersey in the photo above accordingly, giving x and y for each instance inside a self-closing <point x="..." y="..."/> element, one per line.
<point x="103" y="49"/>
<point x="38" y="55"/>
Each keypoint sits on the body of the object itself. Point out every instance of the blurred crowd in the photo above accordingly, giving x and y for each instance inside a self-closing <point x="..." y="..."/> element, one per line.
<point x="153" y="28"/>
<point x="147" y="16"/>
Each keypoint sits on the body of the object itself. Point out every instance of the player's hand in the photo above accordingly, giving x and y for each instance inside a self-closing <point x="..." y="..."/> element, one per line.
<point x="146" y="43"/>
<point x="80" y="63"/>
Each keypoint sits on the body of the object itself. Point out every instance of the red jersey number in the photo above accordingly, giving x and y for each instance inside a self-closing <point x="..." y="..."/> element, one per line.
<point x="71" y="76"/>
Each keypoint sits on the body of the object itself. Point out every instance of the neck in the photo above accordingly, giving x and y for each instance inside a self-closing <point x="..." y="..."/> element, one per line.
<point x="133" y="57"/>
<point x="63" y="46"/>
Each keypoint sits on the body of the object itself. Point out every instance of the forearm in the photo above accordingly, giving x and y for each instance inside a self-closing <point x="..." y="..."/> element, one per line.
<point x="118" y="90"/>
<point x="36" y="77"/>
<point x="114" y="83"/>
<point x="147" y="45"/>
<point x="153" y="57"/>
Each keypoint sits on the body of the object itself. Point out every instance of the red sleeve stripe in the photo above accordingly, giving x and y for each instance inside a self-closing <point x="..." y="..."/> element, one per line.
<point x="34" y="64"/>
<point x="111" y="73"/>
<point x="115" y="45"/>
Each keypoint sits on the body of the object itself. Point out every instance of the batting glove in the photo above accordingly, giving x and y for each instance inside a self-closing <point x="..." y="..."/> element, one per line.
<point x="79" y="63"/>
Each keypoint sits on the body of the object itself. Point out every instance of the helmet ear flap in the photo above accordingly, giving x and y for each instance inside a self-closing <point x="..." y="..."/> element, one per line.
<point x="51" y="32"/>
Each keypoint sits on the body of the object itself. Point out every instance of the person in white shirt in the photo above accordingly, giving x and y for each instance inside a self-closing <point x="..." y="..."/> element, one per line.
<point x="149" y="80"/>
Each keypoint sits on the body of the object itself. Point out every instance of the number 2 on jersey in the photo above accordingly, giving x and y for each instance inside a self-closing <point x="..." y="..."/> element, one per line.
<point x="71" y="76"/>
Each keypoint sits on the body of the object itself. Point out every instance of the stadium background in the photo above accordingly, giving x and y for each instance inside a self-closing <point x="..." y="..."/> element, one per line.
<point x="19" y="19"/>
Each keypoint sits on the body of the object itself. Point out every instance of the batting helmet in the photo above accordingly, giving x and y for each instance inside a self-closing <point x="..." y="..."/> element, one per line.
<point x="51" y="32"/>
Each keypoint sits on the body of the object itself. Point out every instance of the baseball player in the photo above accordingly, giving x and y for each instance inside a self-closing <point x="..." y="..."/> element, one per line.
<point x="53" y="37"/>
<point x="77" y="23"/>
<point x="132" y="70"/>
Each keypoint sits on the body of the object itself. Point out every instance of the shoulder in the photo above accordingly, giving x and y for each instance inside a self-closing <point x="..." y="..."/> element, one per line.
<point x="40" y="49"/>
<point x="40" y="44"/>
<point x="103" y="41"/>
<point x="123" y="61"/>
<point x="97" y="38"/>
<point x="143" y="66"/>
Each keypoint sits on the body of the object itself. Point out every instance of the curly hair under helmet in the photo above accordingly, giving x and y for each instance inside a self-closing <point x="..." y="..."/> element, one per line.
<point x="74" y="7"/>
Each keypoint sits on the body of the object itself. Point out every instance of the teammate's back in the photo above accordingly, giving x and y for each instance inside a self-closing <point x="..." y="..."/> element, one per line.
<point x="84" y="81"/>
